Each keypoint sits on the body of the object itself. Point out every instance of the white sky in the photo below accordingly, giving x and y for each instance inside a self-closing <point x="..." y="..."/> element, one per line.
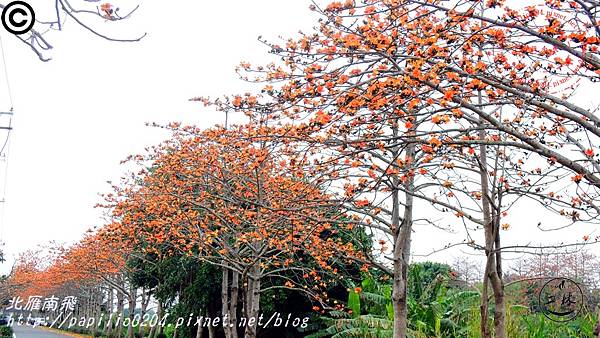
<point x="77" y="116"/>
<point x="81" y="113"/>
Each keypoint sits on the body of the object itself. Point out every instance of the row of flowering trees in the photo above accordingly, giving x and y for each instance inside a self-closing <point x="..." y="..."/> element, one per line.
<point x="237" y="199"/>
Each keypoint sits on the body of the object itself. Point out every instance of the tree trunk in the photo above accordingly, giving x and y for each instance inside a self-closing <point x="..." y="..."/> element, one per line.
<point x="199" y="331"/>
<point x="96" y="312"/>
<point x="233" y="303"/>
<point x="225" y="302"/>
<point x="493" y="268"/>
<point x="152" y="327"/>
<point x="499" y="311"/>
<point x="131" y="303"/>
<point x="229" y="299"/>
<point x="498" y="287"/>
<point x="494" y="279"/>
<point x="401" y="255"/>
<point x="484" y="307"/>
<point x="160" y="312"/>
<point x="120" y="307"/>
<point x="253" y="299"/>
<point x="109" y="312"/>
<point x="145" y="302"/>
<point x="400" y="282"/>
<point x="155" y="329"/>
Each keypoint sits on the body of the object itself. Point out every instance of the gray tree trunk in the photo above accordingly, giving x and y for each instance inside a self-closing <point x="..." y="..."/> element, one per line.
<point x="199" y="331"/>
<point x="145" y="301"/>
<point x="493" y="268"/>
<point x="109" y="308"/>
<point x="157" y="328"/>
<point x="96" y="310"/>
<point x="120" y="307"/>
<point x="233" y="303"/>
<point x="131" y="304"/>
<point x="401" y="231"/>
<point x="229" y="299"/>
<point x="253" y="299"/>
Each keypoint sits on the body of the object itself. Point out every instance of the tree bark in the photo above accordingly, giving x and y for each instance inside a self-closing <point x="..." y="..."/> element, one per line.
<point x="401" y="255"/>
<point x="199" y="331"/>
<point x="160" y="312"/>
<point x="96" y="311"/>
<point x="225" y="301"/>
<point x="145" y="301"/>
<point x="109" y="311"/>
<point x="484" y="307"/>
<point x="253" y="299"/>
<point x="498" y="286"/>
<point x="132" y="303"/>
<point x="152" y="331"/>
<point x="120" y="307"/>
<point x="230" y="302"/>
<point x="233" y="303"/>
<point x="493" y="268"/>
<point x="155" y="328"/>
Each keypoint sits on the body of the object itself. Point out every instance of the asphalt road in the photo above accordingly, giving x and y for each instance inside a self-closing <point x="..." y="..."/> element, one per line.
<point x="30" y="332"/>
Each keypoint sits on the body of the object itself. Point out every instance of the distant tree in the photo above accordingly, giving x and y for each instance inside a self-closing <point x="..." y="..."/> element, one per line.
<point x="467" y="269"/>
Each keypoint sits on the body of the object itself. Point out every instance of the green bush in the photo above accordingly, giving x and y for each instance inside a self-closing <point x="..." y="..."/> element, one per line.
<point x="437" y="309"/>
<point x="6" y="332"/>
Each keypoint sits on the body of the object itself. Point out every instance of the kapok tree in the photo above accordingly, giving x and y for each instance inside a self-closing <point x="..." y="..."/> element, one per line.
<point x="26" y="277"/>
<point x="240" y="199"/>
<point x="373" y="137"/>
<point x="137" y="228"/>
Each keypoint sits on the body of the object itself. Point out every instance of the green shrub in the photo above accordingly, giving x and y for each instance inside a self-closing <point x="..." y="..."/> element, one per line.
<point x="6" y="332"/>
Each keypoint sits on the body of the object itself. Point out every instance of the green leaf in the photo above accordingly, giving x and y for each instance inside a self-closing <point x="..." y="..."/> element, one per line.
<point x="354" y="303"/>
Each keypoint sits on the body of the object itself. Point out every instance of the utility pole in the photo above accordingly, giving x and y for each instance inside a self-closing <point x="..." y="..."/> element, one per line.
<point x="4" y="145"/>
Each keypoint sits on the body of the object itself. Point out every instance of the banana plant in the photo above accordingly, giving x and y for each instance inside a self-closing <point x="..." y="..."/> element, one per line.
<point x="434" y="310"/>
<point x="370" y="313"/>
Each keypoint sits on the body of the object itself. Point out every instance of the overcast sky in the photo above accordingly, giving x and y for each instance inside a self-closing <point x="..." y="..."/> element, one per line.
<point x="77" y="116"/>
